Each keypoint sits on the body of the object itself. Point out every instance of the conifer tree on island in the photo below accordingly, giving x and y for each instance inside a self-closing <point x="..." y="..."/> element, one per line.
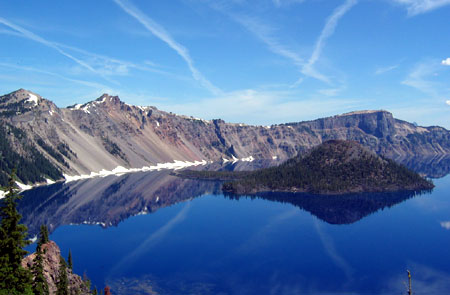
<point x="14" y="279"/>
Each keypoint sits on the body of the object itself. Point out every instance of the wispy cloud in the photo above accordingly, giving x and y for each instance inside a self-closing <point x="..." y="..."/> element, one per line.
<point x="253" y="106"/>
<point x="22" y="32"/>
<point x="419" y="77"/>
<point x="30" y="35"/>
<point x="415" y="7"/>
<point x="113" y="66"/>
<point x="327" y="31"/>
<point x="332" y="91"/>
<point x="383" y="70"/>
<point x="164" y="36"/>
<point x="425" y="78"/>
<point x="280" y="3"/>
<point x="266" y="34"/>
<point x="31" y="69"/>
<point x="446" y="62"/>
<point x="447" y="102"/>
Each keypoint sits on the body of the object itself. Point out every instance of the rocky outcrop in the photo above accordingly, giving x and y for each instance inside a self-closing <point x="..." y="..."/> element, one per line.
<point x="107" y="133"/>
<point x="51" y="270"/>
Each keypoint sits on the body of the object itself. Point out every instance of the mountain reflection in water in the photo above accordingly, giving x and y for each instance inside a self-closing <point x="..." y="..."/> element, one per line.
<point x="110" y="200"/>
<point x="107" y="201"/>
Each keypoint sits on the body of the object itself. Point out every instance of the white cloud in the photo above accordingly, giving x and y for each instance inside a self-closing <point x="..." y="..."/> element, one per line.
<point x="415" y="7"/>
<point x="446" y="62"/>
<point x="164" y="36"/>
<point x="327" y="31"/>
<point x="448" y="102"/>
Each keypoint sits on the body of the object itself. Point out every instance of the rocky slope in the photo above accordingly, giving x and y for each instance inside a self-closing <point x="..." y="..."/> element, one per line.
<point x="51" y="270"/>
<point x="107" y="133"/>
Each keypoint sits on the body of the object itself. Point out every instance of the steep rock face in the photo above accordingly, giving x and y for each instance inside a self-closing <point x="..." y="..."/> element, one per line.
<point x="107" y="133"/>
<point x="51" y="270"/>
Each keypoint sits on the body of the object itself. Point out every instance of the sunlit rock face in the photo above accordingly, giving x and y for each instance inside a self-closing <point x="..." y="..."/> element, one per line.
<point x="51" y="257"/>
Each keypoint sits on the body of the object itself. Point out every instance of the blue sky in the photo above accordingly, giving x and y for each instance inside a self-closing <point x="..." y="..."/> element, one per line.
<point x="250" y="61"/>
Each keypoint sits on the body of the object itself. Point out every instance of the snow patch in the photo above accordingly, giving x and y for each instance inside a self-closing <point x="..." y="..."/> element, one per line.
<point x="24" y="187"/>
<point x="32" y="98"/>
<point x="119" y="170"/>
<point x="95" y="223"/>
<point x="274" y="157"/>
<point x="86" y="109"/>
<point x="33" y="239"/>
<point x="49" y="181"/>
<point x="248" y="159"/>
<point x="50" y="112"/>
<point x="157" y="123"/>
<point x="225" y="160"/>
<point x="2" y="194"/>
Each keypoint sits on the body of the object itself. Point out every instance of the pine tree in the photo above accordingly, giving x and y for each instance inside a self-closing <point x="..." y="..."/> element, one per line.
<point x="62" y="285"/>
<point x="40" y="285"/>
<point x="43" y="236"/>
<point x="69" y="260"/>
<point x="14" y="279"/>
<point x="95" y="292"/>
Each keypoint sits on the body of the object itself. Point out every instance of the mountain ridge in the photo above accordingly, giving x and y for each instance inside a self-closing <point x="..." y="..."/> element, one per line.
<point x="106" y="133"/>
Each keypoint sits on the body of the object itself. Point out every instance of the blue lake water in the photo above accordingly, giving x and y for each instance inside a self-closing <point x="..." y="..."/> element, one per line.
<point x="152" y="232"/>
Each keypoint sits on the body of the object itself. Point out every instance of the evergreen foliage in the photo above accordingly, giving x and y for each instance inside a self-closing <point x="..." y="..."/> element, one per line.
<point x="43" y="236"/>
<point x="30" y="168"/>
<point x="333" y="167"/>
<point x="69" y="260"/>
<point x="40" y="285"/>
<point x="14" y="279"/>
<point x="62" y="285"/>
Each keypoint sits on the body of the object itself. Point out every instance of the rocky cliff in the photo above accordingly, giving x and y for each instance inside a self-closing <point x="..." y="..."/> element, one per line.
<point x="107" y="133"/>
<point x="51" y="270"/>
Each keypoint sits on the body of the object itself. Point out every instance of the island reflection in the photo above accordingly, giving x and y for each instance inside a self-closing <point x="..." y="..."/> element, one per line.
<point x="338" y="209"/>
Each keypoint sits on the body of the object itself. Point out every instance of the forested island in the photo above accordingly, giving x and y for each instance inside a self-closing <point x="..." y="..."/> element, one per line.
<point x="334" y="167"/>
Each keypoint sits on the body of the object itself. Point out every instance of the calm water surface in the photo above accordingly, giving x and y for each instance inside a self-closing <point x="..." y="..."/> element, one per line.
<point x="152" y="232"/>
